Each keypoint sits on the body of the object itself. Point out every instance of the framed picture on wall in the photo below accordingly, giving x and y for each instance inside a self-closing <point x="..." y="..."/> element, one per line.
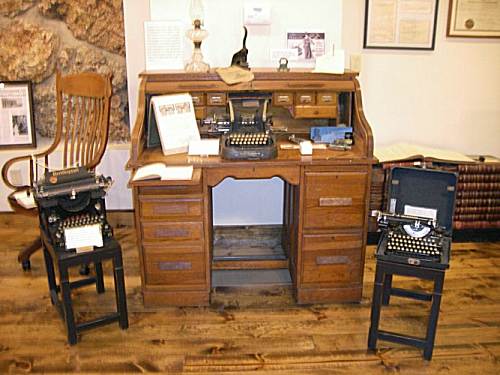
<point x="400" y="24"/>
<point x="17" y="128"/>
<point x="474" y="18"/>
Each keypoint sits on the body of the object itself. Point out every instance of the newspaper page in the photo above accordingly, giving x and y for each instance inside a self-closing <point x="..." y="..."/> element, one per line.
<point x="15" y="118"/>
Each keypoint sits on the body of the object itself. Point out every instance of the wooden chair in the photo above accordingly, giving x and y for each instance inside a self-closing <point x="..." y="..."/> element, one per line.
<point x="83" y="106"/>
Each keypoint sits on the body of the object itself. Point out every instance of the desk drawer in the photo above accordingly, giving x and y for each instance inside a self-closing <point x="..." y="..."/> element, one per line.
<point x="305" y="98"/>
<point x="334" y="199"/>
<point x="198" y="98"/>
<point x="326" y="98"/>
<point x="176" y="269"/>
<point x="170" y="208"/>
<point x="216" y="98"/>
<point x="327" y="261"/>
<point x="283" y="99"/>
<point x="174" y="233"/>
<point x="314" y="111"/>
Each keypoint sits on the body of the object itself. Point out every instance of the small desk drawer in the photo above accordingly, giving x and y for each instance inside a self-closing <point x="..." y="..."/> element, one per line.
<point x="283" y="98"/>
<point x="305" y="98"/>
<point x="170" y="208"/>
<point x="198" y="98"/>
<point x="216" y="98"/>
<point x="333" y="264"/>
<point x="173" y="233"/>
<point x="314" y="111"/>
<point x="335" y="199"/>
<point x="326" y="98"/>
<point x="175" y="269"/>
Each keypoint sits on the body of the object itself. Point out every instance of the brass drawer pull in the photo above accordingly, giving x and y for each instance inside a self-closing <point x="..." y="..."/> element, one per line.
<point x="305" y="99"/>
<point x="334" y="201"/>
<point x="162" y="232"/>
<point x="327" y="98"/>
<point x="174" y="266"/>
<point x="163" y="210"/>
<point x="283" y="99"/>
<point x="339" y="259"/>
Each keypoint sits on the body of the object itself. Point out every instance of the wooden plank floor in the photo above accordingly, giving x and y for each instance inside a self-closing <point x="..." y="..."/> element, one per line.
<point x="248" y="334"/>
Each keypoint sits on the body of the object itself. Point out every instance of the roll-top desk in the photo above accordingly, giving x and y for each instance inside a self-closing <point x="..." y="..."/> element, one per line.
<point x="325" y="195"/>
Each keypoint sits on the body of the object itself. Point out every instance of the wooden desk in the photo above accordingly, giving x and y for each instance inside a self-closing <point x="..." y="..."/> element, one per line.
<point x="325" y="197"/>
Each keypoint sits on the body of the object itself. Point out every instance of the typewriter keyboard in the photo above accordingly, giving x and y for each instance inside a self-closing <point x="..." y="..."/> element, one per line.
<point x="403" y="244"/>
<point x="249" y="139"/>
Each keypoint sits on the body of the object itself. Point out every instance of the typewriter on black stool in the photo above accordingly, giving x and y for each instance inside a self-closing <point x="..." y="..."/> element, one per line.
<point x="72" y="198"/>
<point x="417" y="228"/>
<point x="413" y="240"/>
<point x="250" y="135"/>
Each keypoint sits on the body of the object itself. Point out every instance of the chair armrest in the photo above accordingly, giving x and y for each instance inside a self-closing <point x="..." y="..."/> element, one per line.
<point x="9" y="163"/>
<point x="6" y="167"/>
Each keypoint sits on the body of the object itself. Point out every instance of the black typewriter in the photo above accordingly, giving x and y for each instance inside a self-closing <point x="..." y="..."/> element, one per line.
<point x="413" y="240"/>
<point x="417" y="228"/>
<point x="71" y="198"/>
<point x="250" y="136"/>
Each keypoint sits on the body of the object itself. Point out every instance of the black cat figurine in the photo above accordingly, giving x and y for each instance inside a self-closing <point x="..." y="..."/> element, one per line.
<point x="240" y="57"/>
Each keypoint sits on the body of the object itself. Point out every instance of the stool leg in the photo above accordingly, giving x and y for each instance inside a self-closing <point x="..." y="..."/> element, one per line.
<point x="387" y="289"/>
<point x="67" y="305"/>
<point x="376" y="307"/>
<point x="433" y="318"/>
<point x="121" y="298"/>
<point x="51" y="276"/>
<point x="99" y="277"/>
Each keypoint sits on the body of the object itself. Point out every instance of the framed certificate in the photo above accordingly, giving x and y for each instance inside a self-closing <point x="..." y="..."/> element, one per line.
<point x="400" y="24"/>
<point x="474" y="18"/>
<point x="17" y="129"/>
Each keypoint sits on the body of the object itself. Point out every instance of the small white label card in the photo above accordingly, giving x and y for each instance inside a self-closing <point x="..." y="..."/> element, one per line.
<point x="84" y="236"/>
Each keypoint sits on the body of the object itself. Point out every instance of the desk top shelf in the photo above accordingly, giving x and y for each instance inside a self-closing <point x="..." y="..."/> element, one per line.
<point x="293" y="85"/>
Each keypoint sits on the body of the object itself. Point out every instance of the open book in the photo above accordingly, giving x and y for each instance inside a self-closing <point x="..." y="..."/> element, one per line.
<point x="406" y="151"/>
<point x="163" y="172"/>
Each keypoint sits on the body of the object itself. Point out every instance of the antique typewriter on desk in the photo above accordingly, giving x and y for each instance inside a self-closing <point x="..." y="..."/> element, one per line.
<point x="250" y="136"/>
<point x="417" y="229"/>
<point x="71" y="198"/>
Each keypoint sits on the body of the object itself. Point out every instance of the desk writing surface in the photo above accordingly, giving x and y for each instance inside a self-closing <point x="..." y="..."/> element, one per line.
<point x="285" y="157"/>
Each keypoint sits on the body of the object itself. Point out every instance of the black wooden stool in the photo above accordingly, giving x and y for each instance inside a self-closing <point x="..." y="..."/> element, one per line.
<point x="64" y="260"/>
<point x="381" y="296"/>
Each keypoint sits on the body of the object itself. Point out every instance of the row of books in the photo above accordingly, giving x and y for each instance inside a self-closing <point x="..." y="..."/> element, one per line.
<point x="477" y="204"/>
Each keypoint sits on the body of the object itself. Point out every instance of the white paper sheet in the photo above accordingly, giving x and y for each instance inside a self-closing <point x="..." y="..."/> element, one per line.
<point x="84" y="236"/>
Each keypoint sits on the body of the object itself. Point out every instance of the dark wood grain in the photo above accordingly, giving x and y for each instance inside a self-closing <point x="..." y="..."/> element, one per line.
<point x="247" y="332"/>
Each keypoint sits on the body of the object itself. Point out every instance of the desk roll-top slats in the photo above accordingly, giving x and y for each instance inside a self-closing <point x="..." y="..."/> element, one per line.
<point x="325" y="195"/>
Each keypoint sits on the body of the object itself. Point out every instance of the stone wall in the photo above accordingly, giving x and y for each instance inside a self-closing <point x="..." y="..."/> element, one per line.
<point x="38" y="37"/>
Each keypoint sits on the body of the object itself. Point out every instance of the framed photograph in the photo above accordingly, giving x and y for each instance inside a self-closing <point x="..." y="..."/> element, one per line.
<point x="17" y="129"/>
<point x="400" y="24"/>
<point x="474" y="18"/>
